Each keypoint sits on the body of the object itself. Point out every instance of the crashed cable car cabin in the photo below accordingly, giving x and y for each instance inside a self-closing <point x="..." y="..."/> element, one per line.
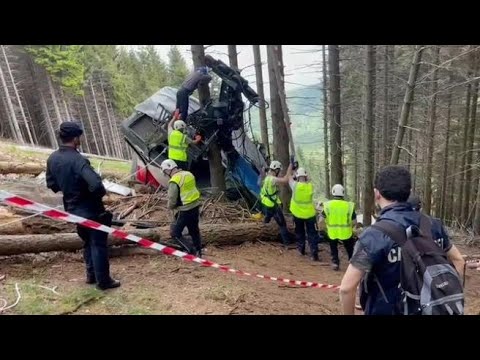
<point x="220" y="121"/>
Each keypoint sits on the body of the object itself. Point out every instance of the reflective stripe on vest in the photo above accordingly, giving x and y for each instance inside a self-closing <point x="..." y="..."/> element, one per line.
<point x="301" y="205"/>
<point x="339" y="219"/>
<point x="177" y="146"/>
<point x="269" y="193"/>
<point x="188" y="189"/>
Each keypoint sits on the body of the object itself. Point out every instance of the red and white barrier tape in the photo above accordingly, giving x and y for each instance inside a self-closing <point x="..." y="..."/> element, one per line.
<point x="14" y="200"/>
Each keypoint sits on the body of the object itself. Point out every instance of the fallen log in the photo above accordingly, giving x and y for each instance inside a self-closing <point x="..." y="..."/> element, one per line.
<point x="217" y="234"/>
<point x="31" y="168"/>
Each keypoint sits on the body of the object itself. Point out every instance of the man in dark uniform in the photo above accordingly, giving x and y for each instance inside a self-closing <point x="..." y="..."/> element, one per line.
<point x="69" y="172"/>
<point x="191" y="83"/>
<point x="378" y="256"/>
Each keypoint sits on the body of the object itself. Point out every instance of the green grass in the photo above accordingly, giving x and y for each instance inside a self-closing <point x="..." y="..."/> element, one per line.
<point x="29" y="155"/>
<point x="39" y="301"/>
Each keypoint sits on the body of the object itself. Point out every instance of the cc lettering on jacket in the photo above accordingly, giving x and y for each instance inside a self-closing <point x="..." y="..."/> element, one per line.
<point x="395" y="255"/>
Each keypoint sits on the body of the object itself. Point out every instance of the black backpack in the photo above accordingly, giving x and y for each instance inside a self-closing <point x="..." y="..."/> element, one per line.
<point x="429" y="282"/>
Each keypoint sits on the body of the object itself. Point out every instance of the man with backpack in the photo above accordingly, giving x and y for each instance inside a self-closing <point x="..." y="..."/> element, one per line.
<point x="399" y="265"/>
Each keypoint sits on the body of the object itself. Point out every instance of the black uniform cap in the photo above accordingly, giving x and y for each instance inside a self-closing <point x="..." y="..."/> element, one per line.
<point x="70" y="129"/>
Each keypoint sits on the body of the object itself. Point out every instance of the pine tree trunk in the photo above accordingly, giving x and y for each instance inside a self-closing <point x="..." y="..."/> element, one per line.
<point x="368" y="131"/>
<point x="15" y="125"/>
<point x="407" y="102"/>
<point x="466" y="215"/>
<point x="91" y="126"/>
<point x="217" y="178"/>
<point x="100" y="124"/>
<point x="427" y="202"/>
<point x="261" y="94"/>
<point x="232" y="56"/>
<point x="335" y="115"/>
<point x="386" y="108"/>
<point x="17" y="95"/>
<point x="54" y="101"/>
<point x="326" y="154"/>
<point x="279" y="131"/>
<point x="443" y="197"/>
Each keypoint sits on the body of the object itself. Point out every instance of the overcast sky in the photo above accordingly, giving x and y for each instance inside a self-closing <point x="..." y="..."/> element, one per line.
<point x="296" y="59"/>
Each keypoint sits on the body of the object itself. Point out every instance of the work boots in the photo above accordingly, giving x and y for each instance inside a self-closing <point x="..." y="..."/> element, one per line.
<point x="109" y="285"/>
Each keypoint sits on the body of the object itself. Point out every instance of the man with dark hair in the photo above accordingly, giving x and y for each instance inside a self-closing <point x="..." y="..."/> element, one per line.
<point x="69" y="172"/>
<point x="377" y="255"/>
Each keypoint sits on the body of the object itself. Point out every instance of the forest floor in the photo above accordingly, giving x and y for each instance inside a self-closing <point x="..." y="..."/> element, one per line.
<point x="167" y="285"/>
<point x="53" y="283"/>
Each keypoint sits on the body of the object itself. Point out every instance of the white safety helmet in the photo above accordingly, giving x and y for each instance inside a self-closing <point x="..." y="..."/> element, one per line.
<point x="338" y="190"/>
<point x="168" y="165"/>
<point x="275" y="165"/>
<point x="301" y="172"/>
<point x="179" y="125"/>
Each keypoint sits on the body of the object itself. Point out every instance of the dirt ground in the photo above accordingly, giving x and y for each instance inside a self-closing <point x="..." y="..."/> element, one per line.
<point x="167" y="285"/>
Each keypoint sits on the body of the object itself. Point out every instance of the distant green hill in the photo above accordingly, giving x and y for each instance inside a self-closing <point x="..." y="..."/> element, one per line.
<point x="305" y="105"/>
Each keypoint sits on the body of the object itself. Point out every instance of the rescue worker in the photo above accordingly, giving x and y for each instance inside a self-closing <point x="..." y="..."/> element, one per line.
<point x="178" y="142"/>
<point x="183" y="196"/>
<point x="378" y="255"/>
<point x="340" y="218"/>
<point x="69" y="172"/>
<point x="304" y="213"/>
<point x="270" y="199"/>
<point x="191" y="83"/>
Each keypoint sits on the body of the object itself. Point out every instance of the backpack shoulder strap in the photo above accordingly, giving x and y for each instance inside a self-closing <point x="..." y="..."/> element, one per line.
<point x="393" y="231"/>
<point x="425" y="226"/>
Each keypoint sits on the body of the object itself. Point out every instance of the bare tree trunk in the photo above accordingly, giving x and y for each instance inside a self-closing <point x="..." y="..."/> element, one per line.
<point x="445" y="158"/>
<point x="427" y="202"/>
<point x="335" y="115"/>
<point x="476" y="219"/>
<point x="10" y="121"/>
<point x="15" y="125"/>
<point x="279" y="131"/>
<point x="261" y="94"/>
<point x="91" y="126"/>
<point x="470" y="148"/>
<point x="325" y="126"/>
<point x="110" y="122"/>
<point x="54" y="100"/>
<point x="463" y="158"/>
<point x="100" y="124"/>
<point x="48" y="120"/>
<point x="407" y="102"/>
<point x="449" y="206"/>
<point x="368" y="131"/>
<point x="281" y="93"/>
<point x="232" y="56"/>
<point x="15" y="90"/>
<point x="217" y="178"/>
<point x="386" y="107"/>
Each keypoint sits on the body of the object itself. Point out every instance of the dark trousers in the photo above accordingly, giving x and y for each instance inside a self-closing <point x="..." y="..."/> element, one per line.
<point x="349" y="245"/>
<point x="182" y="102"/>
<point x="95" y="249"/>
<point x="188" y="219"/>
<point x="277" y="214"/>
<point x="306" y="227"/>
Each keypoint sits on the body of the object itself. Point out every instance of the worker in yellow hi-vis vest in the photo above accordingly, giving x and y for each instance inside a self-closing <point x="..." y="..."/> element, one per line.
<point x="304" y="213"/>
<point x="184" y="198"/>
<point x="270" y="198"/>
<point x="340" y="218"/>
<point x="178" y="142"/>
